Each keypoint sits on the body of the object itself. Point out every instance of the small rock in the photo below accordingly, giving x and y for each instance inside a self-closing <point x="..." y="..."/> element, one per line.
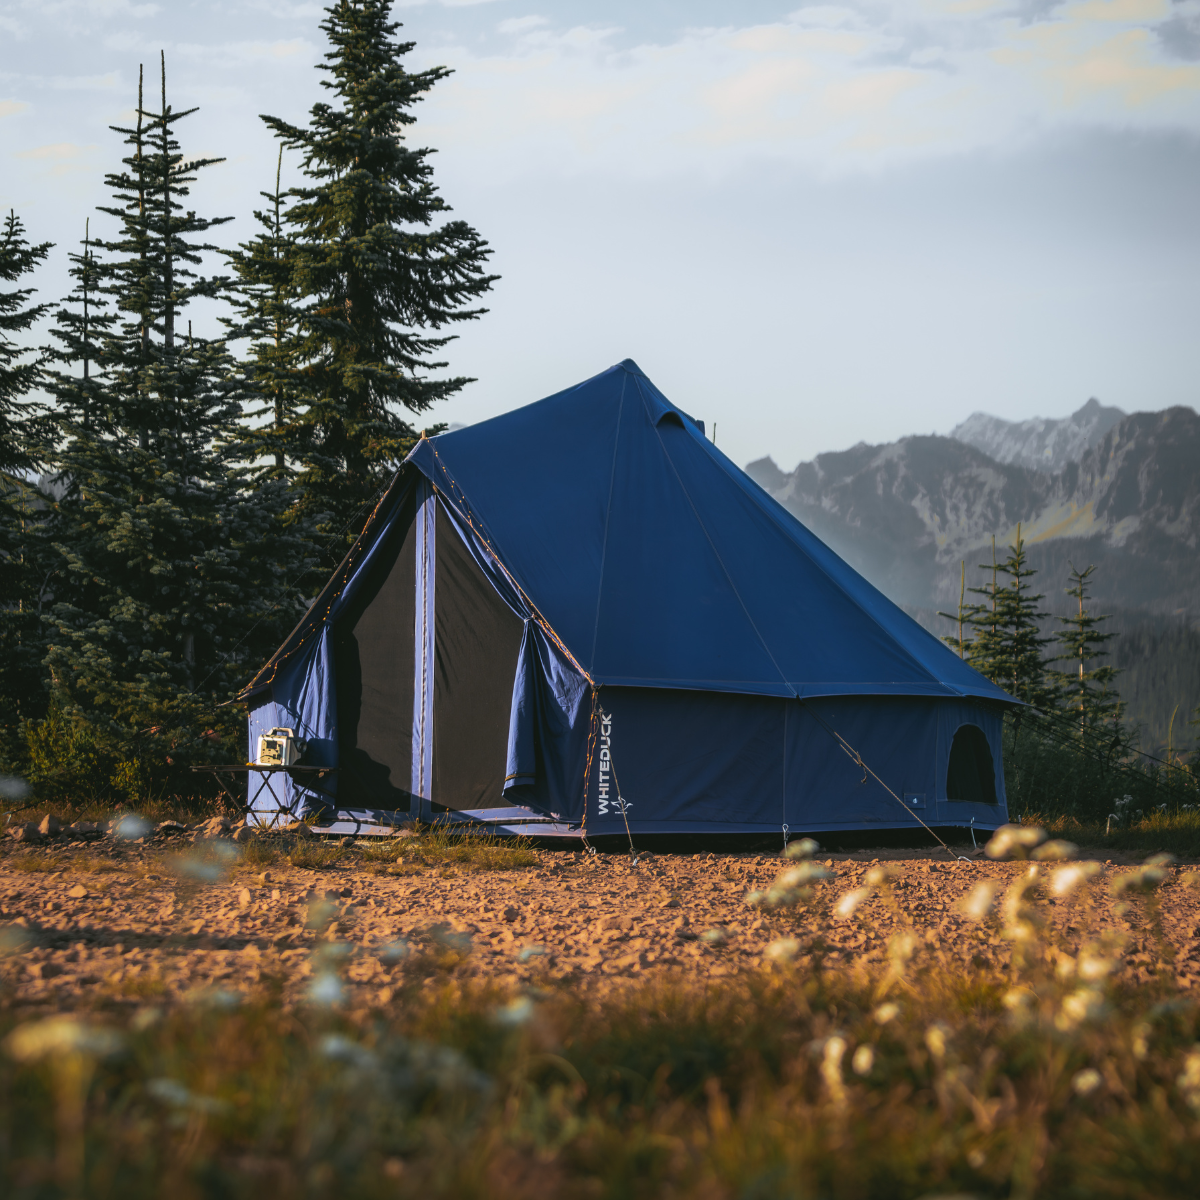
<point x="27" y="831"/>
<point x="50" y="826"/>
<point x="670" y="902"/>
<point x="510" y="914"/>
<point x="217" y="827"/>
<point x="46" y="970"/>
<point x="243" y="897"/>
<point x="166" y="828"/>
<point x="243" y="835"/>
<point x="266" y="877"/>
<point x="299" y="829"/>
<point x="78" y="892"/>
<point x="83" y="828"/>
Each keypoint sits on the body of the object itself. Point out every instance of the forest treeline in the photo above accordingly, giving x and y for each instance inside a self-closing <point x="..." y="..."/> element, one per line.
<point x="1073" y="746"/>
<point x="196" y="489"/>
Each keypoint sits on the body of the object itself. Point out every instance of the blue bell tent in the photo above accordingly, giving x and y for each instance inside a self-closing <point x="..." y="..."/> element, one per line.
<point x="581" y="614"/>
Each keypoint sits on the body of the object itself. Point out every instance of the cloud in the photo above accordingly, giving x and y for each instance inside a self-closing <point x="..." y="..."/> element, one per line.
<point x="835" y="87"/>
<point x="520" y="24"/>
<point x="57" y="150"/>
<point x="9" y="108"/>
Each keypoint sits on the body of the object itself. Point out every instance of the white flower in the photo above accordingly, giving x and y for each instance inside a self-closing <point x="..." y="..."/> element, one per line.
<point x="848" y="904"/>
<point x="979" y="902"/>
<point x="54" y="1036"/>
<point x="1086" y="1081"/>
<point x="783" y="950"/>
<point x="886" y="1012"/>
<point x="864" y="1060"/>
<point x="1067" y="879"/>
<point x="1014" y="841"/>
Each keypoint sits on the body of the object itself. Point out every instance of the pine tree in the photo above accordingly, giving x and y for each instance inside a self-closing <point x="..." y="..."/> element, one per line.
<point x="167" y="558"/>
<point x="21" y="431"/>
<point x="1087" y="692"/>
<point x="378" y="272"/>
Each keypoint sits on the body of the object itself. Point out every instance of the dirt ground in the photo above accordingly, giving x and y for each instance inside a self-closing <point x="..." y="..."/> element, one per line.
<point x="115" y="923"/>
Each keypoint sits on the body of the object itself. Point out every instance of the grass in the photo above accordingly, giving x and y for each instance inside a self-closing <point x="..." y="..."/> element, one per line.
<point x="438" y="846"/>
<point x="1053" y="1072"/>
<point x="1175" y="833"/>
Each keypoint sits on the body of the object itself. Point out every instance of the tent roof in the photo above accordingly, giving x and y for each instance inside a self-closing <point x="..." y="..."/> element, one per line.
<point x="661" y="564"/>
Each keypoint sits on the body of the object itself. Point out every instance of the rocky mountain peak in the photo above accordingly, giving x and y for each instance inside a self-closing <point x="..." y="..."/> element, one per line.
<point x="1039" y="444"/>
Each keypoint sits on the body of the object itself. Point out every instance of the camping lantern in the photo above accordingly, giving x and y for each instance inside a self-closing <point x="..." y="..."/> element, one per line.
<point x="279" y="748"/>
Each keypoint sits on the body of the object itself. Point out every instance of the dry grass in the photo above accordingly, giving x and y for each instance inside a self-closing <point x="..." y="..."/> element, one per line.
<point x="1059" y="1071"/>
<point x="48" y="863"/>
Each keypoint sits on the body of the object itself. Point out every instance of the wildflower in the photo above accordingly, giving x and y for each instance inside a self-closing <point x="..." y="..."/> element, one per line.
<point x="783" y="950"/>
<point x="901" y="948"/>
<point x="804" y="848"/>
<point x="1141" y="1040"/>
<point x="1188" y="1080"/>
<point x="714" y="937"/>
<point x="53" y="1037"/>
<point x="754" y="899"/>
<point x="1018" y="999"/>
<point x="1085" y="1082"/>
<point x="326" y="989"/>
<point x="1067" y="879"/>
<point x="1083" y="1004"/>
<point x="1014" y="841"/>
<point x="878" y="877"/>
<point x="1144" y="878"/>
<point x="1098" y="960"/>
<point x="863" y="1061"/>
<point x="886" y="1012"/>
<point x="805" y="873"/>
<point x="343" y="1049"/>
<point x="831" y="1067"/>
<point x="515" y="1013"/>
<point x="1021" y="918"/>
<point x="935" y="1040"/>
<point x="848" y="904"/>
<point x="1055" y="851"/>
<point x="980" y="901"/>
<point x="173" y="1093"/>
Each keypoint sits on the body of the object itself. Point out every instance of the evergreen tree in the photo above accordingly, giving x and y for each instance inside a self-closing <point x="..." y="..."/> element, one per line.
<point x="1006" y="643"/>
<point x="378" y="272"/>
<point x="1087" y="692"/>
<point x="19" y="371"/>
<point x="20" y="503"/>
<point x="265" y="305"/>
<point x="167" y="559"/>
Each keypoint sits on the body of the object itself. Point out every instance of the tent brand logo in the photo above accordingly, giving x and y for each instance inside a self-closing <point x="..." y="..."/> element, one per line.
<point x="605" y="762"/>
<point x="617" y="804"/>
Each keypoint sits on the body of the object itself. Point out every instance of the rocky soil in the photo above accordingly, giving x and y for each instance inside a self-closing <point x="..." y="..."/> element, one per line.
<point x="99" y="920"/>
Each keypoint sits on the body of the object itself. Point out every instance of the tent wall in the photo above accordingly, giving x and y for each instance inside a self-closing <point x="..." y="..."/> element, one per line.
<point x="696" y="761"/>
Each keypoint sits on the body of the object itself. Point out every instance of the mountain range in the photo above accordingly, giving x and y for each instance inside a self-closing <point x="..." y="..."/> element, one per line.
<point x="1121" y="491"/>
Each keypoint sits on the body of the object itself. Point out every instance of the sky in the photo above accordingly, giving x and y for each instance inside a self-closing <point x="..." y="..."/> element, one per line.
<point x="810" y="226"/>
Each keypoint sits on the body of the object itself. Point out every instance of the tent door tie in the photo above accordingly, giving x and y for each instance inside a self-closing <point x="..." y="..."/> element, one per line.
<point x="785" y="835"/>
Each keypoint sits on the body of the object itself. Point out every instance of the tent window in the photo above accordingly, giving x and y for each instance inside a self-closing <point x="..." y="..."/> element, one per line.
<point x="972" y="773"/>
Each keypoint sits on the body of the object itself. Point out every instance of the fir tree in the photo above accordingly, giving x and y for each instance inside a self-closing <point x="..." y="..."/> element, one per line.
<point x="265" y="305"/>
<point x="1006" y="643"/>
<point x="378" y="272"/>
<point x="167" y="559"/>
<point x="1087" y="692"/>
<point x="21" y="431"/>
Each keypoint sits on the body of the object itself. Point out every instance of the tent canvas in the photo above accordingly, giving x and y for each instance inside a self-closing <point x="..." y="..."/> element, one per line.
<point x="580" y="616"/>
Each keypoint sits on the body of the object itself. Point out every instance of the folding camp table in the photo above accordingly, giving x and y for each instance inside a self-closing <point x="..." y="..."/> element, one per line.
<point x="309" y="777"/>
